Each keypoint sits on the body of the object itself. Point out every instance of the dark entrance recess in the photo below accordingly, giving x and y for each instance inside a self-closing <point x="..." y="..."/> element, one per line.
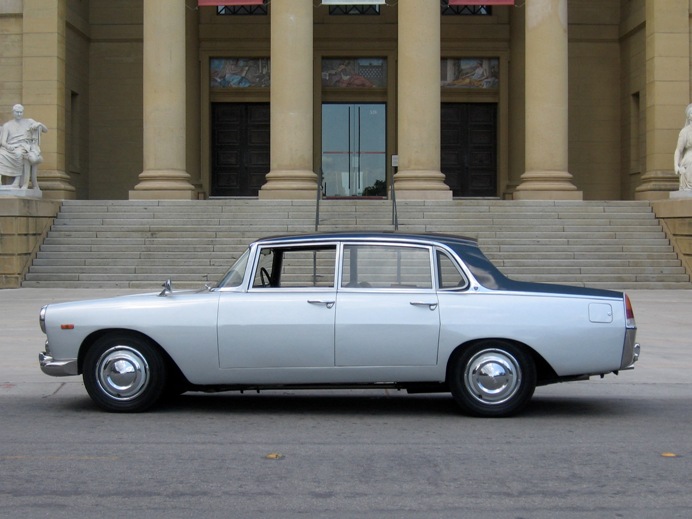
<point x="240" y="148"/>
<point x="469" y="148"/>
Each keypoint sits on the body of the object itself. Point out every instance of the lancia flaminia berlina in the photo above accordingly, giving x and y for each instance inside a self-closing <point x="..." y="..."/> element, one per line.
<point x="423" y="313"/>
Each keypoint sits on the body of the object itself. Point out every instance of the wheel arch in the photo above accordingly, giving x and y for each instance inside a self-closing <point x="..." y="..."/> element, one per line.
<point x="544" y="371"/>
<point x="91" y="339"/>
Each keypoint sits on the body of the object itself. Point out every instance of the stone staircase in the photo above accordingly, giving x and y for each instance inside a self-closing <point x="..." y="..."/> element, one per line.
<point x="139" y="244"/>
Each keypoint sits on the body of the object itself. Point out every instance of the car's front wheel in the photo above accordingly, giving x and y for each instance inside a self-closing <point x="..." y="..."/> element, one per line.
<point x="492" y="378"/>
<point x="124" y="373"/>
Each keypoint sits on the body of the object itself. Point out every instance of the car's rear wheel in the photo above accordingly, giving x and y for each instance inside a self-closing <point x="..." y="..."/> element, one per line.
<point x="492" y="378"/>
<point x="124" y="373"/>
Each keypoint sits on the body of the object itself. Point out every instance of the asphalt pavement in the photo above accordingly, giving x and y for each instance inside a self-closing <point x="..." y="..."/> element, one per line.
<point x="616" y="447"/>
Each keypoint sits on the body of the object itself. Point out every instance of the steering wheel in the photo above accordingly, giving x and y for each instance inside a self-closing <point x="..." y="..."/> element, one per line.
<point x="264" y="277"/>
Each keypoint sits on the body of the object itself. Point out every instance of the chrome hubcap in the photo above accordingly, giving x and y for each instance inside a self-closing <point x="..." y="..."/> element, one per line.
<point x="492" y="376"/>
<point x="122" y="372"/>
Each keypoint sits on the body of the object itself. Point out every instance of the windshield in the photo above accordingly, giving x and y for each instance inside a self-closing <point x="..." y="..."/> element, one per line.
<point x="234" y="276"/>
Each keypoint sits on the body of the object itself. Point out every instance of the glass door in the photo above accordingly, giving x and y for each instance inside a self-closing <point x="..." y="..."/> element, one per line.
<point x="354" y="152"/>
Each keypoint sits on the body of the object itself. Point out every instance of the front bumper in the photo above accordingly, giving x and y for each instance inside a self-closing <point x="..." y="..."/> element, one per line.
<point x="57" y="368"/>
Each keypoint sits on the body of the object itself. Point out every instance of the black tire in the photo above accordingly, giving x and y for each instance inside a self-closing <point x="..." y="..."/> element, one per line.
<point x="492" y="378"/>
<point x="124" y="373"/>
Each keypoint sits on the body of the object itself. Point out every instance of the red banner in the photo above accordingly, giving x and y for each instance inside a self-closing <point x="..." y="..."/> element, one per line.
<point x="202" y="3"/>
<point x="481" y="2"/>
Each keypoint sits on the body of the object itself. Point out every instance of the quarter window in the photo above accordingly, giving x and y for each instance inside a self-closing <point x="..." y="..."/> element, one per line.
<point x="449" y="276"/>
<point x="386" y="266"/>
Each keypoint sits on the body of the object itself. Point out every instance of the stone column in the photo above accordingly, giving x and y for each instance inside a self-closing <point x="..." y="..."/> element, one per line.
<point x="164" y="175"/>
<point x="419" y="175"/>
<point x="546" y="175"/>
<point x="667" y="93"/>
<point x="43" y="89"/>
<point x="291" y="154"/>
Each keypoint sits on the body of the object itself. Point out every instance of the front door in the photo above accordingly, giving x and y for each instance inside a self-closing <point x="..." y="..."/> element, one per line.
<point x="354" y="151"/>
<point x="469" y="148"/>
<point x="240" y="148"/>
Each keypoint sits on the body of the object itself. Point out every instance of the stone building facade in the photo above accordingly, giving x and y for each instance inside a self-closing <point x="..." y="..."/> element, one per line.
<point x="167" y="99"/>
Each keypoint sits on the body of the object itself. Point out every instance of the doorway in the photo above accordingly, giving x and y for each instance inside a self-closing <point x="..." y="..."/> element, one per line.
<point x="469" y="148"/>
<point x="354" y="150"/>
<point x="240" y="148"/>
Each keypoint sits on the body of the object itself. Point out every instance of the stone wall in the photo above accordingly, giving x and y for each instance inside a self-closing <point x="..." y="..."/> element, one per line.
<point x="676" y="217"/>
<point x="23" y="225"/>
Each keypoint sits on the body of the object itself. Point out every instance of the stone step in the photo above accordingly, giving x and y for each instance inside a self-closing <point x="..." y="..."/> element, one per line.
<point x="138" y="244"/>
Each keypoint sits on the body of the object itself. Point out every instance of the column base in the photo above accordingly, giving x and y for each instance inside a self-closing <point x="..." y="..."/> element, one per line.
<point x="289" y="185"/>
<point x="163" y="184"/>
<point x="55" y="185"/>
<point x="652" y="195"/>
<point x="656" y="185"/>
<point x="547" y="185"/>
<point x="421" y="185"/>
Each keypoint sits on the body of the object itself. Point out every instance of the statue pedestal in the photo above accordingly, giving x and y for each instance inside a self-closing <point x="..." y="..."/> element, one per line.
<point x="681" y="195"/>
<point x="13" y="192"/>
<point x="24" y="222"/>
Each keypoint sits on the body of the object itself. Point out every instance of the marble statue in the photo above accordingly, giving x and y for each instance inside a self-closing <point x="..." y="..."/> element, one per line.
<point x="20" y="153"/>
<point x="683" y="153"/>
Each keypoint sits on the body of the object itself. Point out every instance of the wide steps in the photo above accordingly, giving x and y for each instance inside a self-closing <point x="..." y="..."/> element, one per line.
<point x="138" y="244"/>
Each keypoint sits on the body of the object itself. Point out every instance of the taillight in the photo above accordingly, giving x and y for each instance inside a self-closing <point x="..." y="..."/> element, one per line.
<point x="629" y="313"/>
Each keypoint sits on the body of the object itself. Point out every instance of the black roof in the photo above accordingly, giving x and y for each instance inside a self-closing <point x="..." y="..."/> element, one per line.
<point x="447" y="239"/>
<point x="468" y="250"/>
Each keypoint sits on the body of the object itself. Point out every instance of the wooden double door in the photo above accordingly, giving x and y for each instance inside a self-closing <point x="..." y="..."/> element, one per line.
<point x="240" y="148"/>
<point x="469" y="148"/>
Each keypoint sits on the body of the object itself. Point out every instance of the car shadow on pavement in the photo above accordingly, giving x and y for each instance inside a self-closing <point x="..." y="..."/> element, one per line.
<point x="381" y="403"/>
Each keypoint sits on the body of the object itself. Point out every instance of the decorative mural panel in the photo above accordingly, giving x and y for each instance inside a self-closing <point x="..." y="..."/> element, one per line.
<point x="354" y="72"/>
<point x="470" y="73"/>
<point x="227" y="73"/>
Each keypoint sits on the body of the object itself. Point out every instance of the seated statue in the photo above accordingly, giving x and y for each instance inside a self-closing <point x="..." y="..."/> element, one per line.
<point x="19" y="149"/>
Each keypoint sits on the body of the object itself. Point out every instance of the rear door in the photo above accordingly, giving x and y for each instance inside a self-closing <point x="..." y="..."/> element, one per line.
<point x="387" y="309"/>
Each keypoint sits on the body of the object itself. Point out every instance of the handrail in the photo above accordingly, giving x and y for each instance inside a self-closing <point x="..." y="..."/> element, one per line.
<point x="319" y="197"/>
<point x="395" y="212"/>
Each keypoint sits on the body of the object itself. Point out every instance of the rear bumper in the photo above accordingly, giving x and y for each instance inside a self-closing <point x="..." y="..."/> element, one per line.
<point x="57" y="368"/>
<point x="631" y="350"/>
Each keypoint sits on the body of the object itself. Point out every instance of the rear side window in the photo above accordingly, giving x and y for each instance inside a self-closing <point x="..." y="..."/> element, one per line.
<point x="386" y="266"/>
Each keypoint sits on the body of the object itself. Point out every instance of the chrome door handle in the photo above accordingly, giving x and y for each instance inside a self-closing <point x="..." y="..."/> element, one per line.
<point x="328" y="304"/>
<point x="432" y="306"/>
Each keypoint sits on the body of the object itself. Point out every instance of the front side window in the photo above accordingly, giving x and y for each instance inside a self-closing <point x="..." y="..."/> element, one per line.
<point x="290" y="267"/>
<point x="386" y="266"/>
